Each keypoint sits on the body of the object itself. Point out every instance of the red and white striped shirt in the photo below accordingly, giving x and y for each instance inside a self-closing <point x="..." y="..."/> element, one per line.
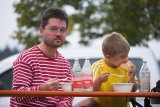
<point x="31" y="69"/>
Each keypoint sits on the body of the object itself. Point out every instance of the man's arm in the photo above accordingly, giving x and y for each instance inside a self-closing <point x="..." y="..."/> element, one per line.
<point x="65" y="102"/>
<point x="22" y="80"/>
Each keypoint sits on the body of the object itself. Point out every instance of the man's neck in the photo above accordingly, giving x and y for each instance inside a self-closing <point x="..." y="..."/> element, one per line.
<point x="49" y="51"/>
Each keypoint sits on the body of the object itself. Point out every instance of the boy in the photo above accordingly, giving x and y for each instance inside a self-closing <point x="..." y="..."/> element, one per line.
<point x="115" y="49"/>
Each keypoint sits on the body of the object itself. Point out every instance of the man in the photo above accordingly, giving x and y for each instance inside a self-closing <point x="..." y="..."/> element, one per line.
<point x="42" y="67"/>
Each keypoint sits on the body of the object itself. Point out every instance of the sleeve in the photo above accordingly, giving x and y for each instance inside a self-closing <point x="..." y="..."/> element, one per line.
<point x="22" y="79"/>
<point x="65" y="102"/>
<point x="96" y="71"/>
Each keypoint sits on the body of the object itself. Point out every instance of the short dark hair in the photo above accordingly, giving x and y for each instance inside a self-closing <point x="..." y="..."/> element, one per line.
<point x="53" y="13"/>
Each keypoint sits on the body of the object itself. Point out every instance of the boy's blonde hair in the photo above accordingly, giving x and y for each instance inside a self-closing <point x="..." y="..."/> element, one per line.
<point x="114" y="43"/>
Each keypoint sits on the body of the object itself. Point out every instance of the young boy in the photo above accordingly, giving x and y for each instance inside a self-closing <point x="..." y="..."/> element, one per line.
<point x="115" y="49"/>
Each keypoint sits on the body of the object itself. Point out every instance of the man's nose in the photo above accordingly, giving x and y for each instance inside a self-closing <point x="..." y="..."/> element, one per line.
<point x="58" y="32"/>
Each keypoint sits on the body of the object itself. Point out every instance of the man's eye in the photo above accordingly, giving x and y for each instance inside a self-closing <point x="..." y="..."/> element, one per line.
<point x="63" y="30"/>
<point x="53" y="29"/>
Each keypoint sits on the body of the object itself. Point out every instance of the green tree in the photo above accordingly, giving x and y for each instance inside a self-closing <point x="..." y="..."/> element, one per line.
<point x="137" y="20"/>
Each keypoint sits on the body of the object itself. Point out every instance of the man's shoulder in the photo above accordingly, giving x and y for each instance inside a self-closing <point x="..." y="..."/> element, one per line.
<point x="62" y="58"/>
<point x="28" y="53"/>
<point x="31" y="50"/>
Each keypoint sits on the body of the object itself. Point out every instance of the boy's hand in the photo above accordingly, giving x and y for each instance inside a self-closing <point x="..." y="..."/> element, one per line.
<point x="132" y="73"/>
<point x="103" y="77"/>
<point x="132" y="76"/>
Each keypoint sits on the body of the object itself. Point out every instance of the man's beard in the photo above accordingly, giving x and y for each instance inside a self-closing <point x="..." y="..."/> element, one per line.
<point x="52" y="44"/>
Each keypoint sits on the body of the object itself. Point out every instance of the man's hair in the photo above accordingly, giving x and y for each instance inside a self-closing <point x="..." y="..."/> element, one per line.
<point x="114" y="43"/>
<point x="53" y="13"/>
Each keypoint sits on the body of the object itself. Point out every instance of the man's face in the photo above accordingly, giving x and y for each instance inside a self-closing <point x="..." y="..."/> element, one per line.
<point x="53" y="35"/>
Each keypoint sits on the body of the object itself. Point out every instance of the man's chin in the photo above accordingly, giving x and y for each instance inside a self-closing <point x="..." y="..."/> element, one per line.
<point x="54" y="45"/>
<point x="58" y="44"/>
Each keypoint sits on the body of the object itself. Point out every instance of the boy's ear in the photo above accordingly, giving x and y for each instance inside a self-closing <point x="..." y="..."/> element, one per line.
<point x="108" y="57"/>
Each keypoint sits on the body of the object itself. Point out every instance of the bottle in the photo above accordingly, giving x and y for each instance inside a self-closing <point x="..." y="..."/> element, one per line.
<point x="76" y="76"/>
<point x="144" y="78"/>
<point x="87" y="76"/>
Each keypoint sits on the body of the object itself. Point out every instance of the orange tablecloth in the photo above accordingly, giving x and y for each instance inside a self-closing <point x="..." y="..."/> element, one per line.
<point x="80" y="94"/>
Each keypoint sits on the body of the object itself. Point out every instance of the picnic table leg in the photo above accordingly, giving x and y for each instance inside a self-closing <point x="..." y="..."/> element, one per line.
<point x="147" y="102"/>
<point x="134" y="103"/>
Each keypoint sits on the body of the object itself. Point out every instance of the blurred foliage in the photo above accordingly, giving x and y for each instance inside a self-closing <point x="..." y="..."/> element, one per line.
<point x="137" y="20"/>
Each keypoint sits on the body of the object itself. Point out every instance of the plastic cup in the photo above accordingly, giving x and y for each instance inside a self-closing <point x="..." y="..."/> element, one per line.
<point x="66" y="86"/>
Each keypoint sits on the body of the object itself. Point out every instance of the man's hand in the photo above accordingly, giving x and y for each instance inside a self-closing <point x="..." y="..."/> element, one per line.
<point x="50" y="85"/>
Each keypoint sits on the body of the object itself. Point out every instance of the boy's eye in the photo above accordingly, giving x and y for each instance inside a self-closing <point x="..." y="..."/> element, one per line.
<point x="124" y="56"/>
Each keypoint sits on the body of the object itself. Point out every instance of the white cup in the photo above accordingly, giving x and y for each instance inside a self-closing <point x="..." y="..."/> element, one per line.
<point x="66" y="86"/>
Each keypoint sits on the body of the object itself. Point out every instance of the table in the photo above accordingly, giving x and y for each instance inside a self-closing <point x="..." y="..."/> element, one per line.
<point x="147" y="95"/>
<point x="80" y="94"/>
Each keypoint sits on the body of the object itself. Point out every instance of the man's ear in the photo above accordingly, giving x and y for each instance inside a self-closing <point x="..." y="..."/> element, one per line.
<point x="41" y="30"/>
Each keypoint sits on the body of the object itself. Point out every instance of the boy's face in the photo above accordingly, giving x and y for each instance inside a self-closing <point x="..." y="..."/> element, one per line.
<point x="117" y="60"/>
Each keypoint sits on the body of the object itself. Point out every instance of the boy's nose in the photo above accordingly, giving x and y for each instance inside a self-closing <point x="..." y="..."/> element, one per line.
<point x="125" y="60"/>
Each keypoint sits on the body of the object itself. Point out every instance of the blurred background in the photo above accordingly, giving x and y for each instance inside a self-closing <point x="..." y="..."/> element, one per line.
<point x="90" y="20"/>
<point x="137" y="20"/>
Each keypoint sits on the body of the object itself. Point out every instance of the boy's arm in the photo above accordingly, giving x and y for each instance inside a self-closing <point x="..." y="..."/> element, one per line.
<point x="99" y="80"/>
<point x="132" y="77"/>
<point x="99" y="76"/>
<point x="134" y="80"/>
<point x="96" y="85"/>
